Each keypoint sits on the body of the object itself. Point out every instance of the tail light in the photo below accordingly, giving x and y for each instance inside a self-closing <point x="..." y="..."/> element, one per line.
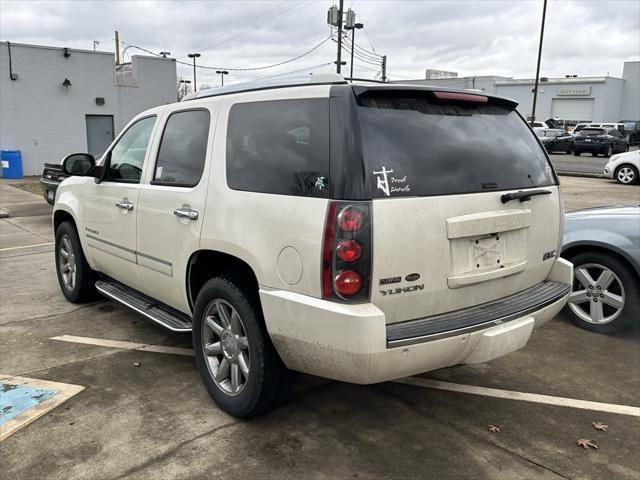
<point x="346" y="252"/>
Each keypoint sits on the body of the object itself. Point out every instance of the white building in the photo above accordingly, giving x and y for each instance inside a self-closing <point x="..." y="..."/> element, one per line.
<point x="55" y="100"/>
<point x="573" y="99"/>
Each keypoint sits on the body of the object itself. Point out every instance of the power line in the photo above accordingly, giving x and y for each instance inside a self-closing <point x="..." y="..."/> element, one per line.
<point x="279" y="16"/>
<point x="315" y="67"/>
<point x="237" y="27"/>
<point x="236" y="69"/>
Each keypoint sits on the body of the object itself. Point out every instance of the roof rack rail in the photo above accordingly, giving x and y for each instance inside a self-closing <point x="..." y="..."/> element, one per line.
<point x="293" y="81"/>
<point x="355" y="79"/>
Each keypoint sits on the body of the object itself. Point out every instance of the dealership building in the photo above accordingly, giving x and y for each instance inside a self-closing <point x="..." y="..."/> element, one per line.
<point x="571" y="98"/>
<point x="56" y="100"/>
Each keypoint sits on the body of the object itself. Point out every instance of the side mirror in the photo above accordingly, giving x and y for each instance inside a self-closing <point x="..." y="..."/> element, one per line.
<point x="78" y="164"/>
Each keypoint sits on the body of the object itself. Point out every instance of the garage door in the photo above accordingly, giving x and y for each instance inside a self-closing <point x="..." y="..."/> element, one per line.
<point x="573" y="108"/>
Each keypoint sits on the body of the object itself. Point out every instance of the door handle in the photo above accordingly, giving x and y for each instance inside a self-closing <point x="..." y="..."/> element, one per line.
<point x="184" y="212"/>
<point x="125" y="204"/>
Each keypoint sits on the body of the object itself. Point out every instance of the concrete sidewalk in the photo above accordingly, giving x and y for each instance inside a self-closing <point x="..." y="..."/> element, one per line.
<point x="18" y="203"/>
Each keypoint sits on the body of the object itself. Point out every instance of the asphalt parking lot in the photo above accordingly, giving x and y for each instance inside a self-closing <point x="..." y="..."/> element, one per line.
<point x="137" y="408"/>
<point x="584" y="164"/>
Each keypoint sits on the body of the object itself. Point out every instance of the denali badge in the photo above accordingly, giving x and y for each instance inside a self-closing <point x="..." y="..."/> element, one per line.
<point x="412" y="277"/>
<point x="549" y="255"/>
<point x="387" y="281"/>
<point x="395" y="291"/>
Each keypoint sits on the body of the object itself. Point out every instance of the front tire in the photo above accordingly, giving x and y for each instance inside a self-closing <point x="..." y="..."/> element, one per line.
<point x="76" y="279"/>
<point x="626" y="174"/>
<point x="605" y="293"/>
<point x="237" y="362"/>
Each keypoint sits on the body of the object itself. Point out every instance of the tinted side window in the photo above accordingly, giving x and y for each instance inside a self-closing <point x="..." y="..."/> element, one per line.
<point x="279" y="147"/>
<point x="183" y="149"/>
<point x="127" y="156"/>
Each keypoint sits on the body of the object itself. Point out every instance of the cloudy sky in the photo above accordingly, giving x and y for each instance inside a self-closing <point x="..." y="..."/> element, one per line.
<point x="471" y="37"/>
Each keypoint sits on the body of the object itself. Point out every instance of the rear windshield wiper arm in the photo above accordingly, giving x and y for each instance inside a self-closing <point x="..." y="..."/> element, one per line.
<point x="523" y="196"/>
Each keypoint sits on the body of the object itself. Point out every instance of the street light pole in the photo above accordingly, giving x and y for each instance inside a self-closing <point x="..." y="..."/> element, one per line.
<point x="353" y="29"/>
<point x="194" y="56"/>
<point x="535" y="89"/>
<point x="222" y="73"/>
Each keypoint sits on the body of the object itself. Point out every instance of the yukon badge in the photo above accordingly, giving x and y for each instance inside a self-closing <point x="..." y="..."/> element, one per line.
<point x="395" y="291"/>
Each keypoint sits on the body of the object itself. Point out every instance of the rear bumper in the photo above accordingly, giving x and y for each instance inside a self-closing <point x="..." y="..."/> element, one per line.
<point x="351" y="342"/>
<point x="591" y="147"/>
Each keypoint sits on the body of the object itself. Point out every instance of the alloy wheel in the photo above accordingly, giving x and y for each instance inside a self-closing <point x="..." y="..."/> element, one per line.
<point x="226" y="347"/>
<point x="598" y="294"/>
<point x="626" y="175"/>
<point x="67" y="262"/>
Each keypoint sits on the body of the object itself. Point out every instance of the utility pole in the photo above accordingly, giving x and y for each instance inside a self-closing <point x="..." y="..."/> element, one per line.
<point x="194" y="56"/>
<point x="339" y="56"/>
<point x="95" y="42"/>
<point x="535" y="89"/>
<point x="222" y="73"/>
<point x="384" y="66"/>
<point x="117" y="38"/>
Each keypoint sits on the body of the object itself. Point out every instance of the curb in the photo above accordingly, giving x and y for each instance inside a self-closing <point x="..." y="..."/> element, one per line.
<point x="580" y="174"/>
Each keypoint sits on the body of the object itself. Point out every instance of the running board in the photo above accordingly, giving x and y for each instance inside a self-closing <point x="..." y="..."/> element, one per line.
<point x="156" y="311"/>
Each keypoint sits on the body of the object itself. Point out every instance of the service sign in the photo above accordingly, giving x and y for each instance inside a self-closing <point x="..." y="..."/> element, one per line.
<point x="575" y="91"/>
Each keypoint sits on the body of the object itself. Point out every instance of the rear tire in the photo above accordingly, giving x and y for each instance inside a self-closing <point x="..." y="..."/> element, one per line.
<point x="76" y="279"/>
<point x="595" y="154"/>
<point x="609" y="151"/>
<point x="576" y="153"/>
<point x="626" y="174"/>
<point x="237" y="362"/>
<point x="623" y="290"/>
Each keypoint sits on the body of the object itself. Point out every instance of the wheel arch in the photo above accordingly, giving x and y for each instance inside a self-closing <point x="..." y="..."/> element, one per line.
<point x="62" y="215"/>
<point x="204" y="265"/>
<point x="571" y="250"/>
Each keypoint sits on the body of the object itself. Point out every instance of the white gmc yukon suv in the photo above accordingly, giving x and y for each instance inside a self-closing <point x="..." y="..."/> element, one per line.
<point x="356" y="231"/>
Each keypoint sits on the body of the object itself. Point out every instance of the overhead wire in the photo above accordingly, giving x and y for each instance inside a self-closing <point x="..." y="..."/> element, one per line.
<point x="206" y="67"/>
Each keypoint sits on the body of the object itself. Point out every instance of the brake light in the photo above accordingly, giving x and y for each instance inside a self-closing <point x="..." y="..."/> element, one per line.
<point x="461" y="97"/>
<point x="350" y="219"/>
<point x="348" y="282"/>
<point x="346" y="252"/>
<point x="349" y="250"/>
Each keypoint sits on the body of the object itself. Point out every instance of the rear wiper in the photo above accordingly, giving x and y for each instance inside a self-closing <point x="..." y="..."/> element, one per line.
<point x="522" y="196"/>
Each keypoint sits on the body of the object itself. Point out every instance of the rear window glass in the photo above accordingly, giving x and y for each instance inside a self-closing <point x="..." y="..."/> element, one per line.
<point x="280" y="147"/>
<point x="591" y="131"/>
<point x="414" y="146"/>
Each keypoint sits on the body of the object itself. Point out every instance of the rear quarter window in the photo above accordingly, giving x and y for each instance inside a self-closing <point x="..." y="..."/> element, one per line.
<point x="415" y="146"/>
<point x="279" y="147"/>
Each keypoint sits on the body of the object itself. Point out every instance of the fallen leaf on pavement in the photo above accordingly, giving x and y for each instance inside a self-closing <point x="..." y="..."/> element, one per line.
<point x="586" y="443"/>
<point x="493" y="429"/>
<point x="600" y="426"/>
<point x="136" y="364"/>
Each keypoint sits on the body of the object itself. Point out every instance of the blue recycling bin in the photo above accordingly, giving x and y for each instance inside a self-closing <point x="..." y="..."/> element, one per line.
<point x="11" y="163"/>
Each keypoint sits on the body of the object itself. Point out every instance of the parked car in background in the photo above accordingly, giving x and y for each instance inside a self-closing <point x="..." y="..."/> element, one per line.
<point x="632" y="129"/>
<point x="609" y="126"/>
<point x="556" y="140"/>
<point x="624" y="167"/>
<point x="52" y="175"/>
<point x="578" y="128"/>
<point x="600" y="141"/>
<point x="604" y="246"/>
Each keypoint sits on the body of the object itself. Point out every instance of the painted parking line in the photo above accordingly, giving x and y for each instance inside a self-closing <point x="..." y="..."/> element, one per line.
<point x="124" y="345"/>
<point x="414" y="381"/>
<point x="24" y="400"/>
<point x="7" y="249"/>
<point x="521" y="396"/>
